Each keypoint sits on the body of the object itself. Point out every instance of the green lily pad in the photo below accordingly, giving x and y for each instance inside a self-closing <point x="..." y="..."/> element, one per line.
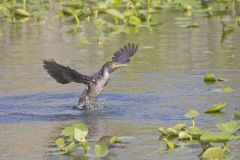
<point x="101" y="150"/>
<point x="216" y="108"/>
<point x="195" y="132"/>
<point x="68" y="131"/>
<point x="21" y="12"/>
<point x="192" y="114"/>
<point x="162" y="130"/>
<point x="135" y="21"/>
<point x="79" y="135"/>
<point x="170" y="144"/>
<point x="171" y="132"/>
<point x="213" y="153"/>
<point x="218" y="137"/>
<point x="193" y="25"/>
<point x="109" y="140"/>
<point x="179" y="126"/>
<point x="70" y="147"/>
<point x="60" y="142"/>
<point x="184" y="135"/>
<point x="237" y="115"/>
<point x="230" y="127"/>
<point x="210" y="77"/>
<point x="115" y="13"/>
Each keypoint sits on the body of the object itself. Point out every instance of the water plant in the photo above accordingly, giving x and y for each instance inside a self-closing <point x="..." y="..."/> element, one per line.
<point x="207" y="139"/>
<point x="75" y="136"/>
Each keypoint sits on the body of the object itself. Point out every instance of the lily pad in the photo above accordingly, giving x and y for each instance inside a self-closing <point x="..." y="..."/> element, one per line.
<point x="109" y="140"/>
<point x="68" y="131"/>
<point x="170" y="144"/>
<point x="115" y="13"/>
<point x="162" y="130"/>
<point x="135" y="21"/>
<point x="192" y="114"/>
<point x="213" y="153"/>
<point x="210" y="77"/>
<point x="179" y="126"/>
<point x="70" y="147"/>
<point x="21" y="12"/>
<point x="216" y="108"/>
<point x="195" y="132"/>
<point x="193" y="25"/>
<point x="230" y="127"/>
<point x="218" y="137"/>
<point x="79" y="135"/>
<point x="101" y="150"/>
<point x="60" y="142"/>
<point x="171" y="132"/>
<point x="184" y="135"/>
<point x="237" y="115"/>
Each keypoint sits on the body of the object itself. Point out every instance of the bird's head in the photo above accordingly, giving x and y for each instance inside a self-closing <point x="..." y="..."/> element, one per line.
<point x="111" y="66"/>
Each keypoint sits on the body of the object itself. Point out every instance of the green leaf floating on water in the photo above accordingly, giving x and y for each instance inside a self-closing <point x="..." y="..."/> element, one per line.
<point x="230" y="127"/>
<point x="218" y="137"/>
<point x="210" y="77"/>
<point x="135" y="21"/>
<point x="195" y="132"/>
<point x="192" y="114"/>
<point x="68" y="131"/>
<point x="21" y="12"/>
<point x="170" y="144"/>
<point x="79" y="135"/>
<point x="237" y="115"/>
<point x="109" y="140"/>
<point x="184" y="135"/>
<point x="171" y="132"/>
<point x="162" y="130"/>
<point x="115" y="14"/>
<point x="213" y="153"/>
<point x="60" y="142"/>
<point x="216" y="108"/>
<point x="101" y="150"/>
<point x="193" y="25"/>
<point x="180" y="126"/>
<point x="70" y="147"/>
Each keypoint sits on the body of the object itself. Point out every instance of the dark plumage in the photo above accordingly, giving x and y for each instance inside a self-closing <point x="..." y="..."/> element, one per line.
<point x="94" y="83"/>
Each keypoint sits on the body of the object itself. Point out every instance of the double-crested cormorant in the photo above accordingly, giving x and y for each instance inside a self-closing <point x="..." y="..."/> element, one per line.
<point x="94" y="83"/>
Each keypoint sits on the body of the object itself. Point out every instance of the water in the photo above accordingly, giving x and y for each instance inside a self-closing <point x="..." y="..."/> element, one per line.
<point x="163" y="81"/>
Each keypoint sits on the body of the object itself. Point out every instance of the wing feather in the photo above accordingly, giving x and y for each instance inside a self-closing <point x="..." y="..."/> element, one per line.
<point x="63" y="74"/>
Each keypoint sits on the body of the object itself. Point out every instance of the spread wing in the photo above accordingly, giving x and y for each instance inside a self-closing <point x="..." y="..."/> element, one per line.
<point x="63" y="74"/>
<point x="124" y="54"/>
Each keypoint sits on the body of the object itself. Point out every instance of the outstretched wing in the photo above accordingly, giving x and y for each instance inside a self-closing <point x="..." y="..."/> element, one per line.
<point x="63" y="74"/>
<point x="123" y="54"/>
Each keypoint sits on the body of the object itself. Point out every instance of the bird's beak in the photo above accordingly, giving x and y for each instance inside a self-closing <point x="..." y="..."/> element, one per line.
<point x="119" y="65"/>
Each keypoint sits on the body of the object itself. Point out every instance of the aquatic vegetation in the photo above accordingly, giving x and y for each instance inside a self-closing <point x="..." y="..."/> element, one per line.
<point x="74" y="136"/>
<point x="216" y="108"/>
<point x="207" y="139"/>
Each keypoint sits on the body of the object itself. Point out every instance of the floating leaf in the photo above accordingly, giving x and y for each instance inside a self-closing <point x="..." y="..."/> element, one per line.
<point x="21" y="12"/>
<point x="109" y="140"/>
<point x="70" y="147"/>
<point x="68" y="131"/>
<point x="237" y="115"/>
<point x="227" y="90"/>
<point x="230" y="127"/>
<point x="79" y="135"/>
<point x="60" y="142"/>
<point x="195" y="132"/>
<point x="179" y="126"/>
<point x="115" y="14"/>
<point x="213" y="153"/>
<point x="170" y="144"/>
<point x="101" y="150"/>
<point x="192" y="114"/>
<point x="216" y="108"/>
<point x="210" y="77"/>
<point x="162" y="130"/>
<point x="218" y="137"/>
<point x="135" y="21"/>
<point x="184" y="135"/>
<point x="172" y="132"/>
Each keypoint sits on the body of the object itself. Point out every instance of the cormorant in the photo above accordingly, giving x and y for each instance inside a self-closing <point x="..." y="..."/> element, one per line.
<point x="94" y="83"/>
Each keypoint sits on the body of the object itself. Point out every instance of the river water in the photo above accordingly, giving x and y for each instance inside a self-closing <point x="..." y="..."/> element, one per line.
<point x="162" y="82"/>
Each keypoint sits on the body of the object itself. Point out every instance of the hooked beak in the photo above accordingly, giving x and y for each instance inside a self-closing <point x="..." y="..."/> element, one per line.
<point x="119" y="65"/>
